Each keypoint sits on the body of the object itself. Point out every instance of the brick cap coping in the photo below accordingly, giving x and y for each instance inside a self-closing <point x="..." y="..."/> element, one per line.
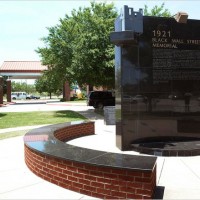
<point x="44" y="141"/>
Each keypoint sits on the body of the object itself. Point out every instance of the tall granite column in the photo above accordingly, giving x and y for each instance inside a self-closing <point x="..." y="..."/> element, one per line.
<point x="157" y="73"/>
<point x="8" y="90"/>
<point x="1" y="90"/>
<point x="128" y="27"/>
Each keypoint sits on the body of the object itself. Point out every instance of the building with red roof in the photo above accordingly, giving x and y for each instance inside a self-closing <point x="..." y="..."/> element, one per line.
<point x="22" y="69"/>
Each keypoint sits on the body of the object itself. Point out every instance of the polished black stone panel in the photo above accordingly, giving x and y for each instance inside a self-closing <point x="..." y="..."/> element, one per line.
<point x="43" y="140"/>
<point x="145" y="163"/>
<point x="157" y="81"/>
<point x="168" y="146"/>
<point x="76" y="154"/>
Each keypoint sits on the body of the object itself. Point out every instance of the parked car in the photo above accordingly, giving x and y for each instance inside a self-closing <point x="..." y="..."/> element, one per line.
<point x="99" y="99"/>
<point x="127" y="98"/>
<point x="139" y="98"/>
<point x="136" y="99"/>
<point x="32" y="97"/>
<point x="18" y="95"/>
<point x="176" y="96"/>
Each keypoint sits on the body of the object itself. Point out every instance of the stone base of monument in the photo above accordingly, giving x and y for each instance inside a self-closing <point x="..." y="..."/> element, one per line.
<point x="168" y="146"/>
<point x="109" y="115"/>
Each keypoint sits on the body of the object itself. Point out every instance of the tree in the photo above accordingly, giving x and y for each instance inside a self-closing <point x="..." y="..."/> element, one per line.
<point x="48" y="83"/>
<point x="57" y="54"/>
<point x="78" y="48"/>
<point x="158" y="11"/>
<point x="17" y="87"/>
<point x="93" y="54"/>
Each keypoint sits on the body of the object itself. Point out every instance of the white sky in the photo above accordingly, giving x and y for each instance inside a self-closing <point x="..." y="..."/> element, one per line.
<point x="24" y="22"/>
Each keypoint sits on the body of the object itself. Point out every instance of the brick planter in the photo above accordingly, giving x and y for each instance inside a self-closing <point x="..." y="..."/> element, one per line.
<point x="94" y="173"/>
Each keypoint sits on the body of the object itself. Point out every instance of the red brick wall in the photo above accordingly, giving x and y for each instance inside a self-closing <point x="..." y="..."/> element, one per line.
<point x="1" y="90"/>
<point x="8" y="87"/>
<point x="97" y="181"/>
<point x="101" y="182"/>
<point x="75" y="131"/>
<point x="66" y="91"/>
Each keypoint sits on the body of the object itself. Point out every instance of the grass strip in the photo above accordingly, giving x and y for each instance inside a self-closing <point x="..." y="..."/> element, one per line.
<point x="17" y="119"/>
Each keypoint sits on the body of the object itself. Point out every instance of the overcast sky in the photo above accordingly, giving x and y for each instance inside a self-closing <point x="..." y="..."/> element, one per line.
<point x="23" y="23"/>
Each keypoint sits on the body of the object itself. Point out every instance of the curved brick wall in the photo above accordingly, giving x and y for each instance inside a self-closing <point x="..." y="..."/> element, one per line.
<point x="102" y="180"/>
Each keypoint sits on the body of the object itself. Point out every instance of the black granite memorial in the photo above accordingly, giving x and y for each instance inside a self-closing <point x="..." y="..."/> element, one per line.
<point x="157" y="72"/>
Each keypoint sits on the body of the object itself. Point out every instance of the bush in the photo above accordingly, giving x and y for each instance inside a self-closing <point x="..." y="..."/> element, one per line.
<point x="73" y="98"/>
<point x="62" y="100"/>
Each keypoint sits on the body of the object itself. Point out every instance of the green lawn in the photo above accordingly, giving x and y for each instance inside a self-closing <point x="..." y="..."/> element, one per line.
<point x="15" y="119"/>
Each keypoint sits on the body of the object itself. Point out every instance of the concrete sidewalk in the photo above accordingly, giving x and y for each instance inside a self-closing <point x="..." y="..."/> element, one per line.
<point x="18" y="182"/>
<point x="178" y="177"/>
<point x="7" y="130"/>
